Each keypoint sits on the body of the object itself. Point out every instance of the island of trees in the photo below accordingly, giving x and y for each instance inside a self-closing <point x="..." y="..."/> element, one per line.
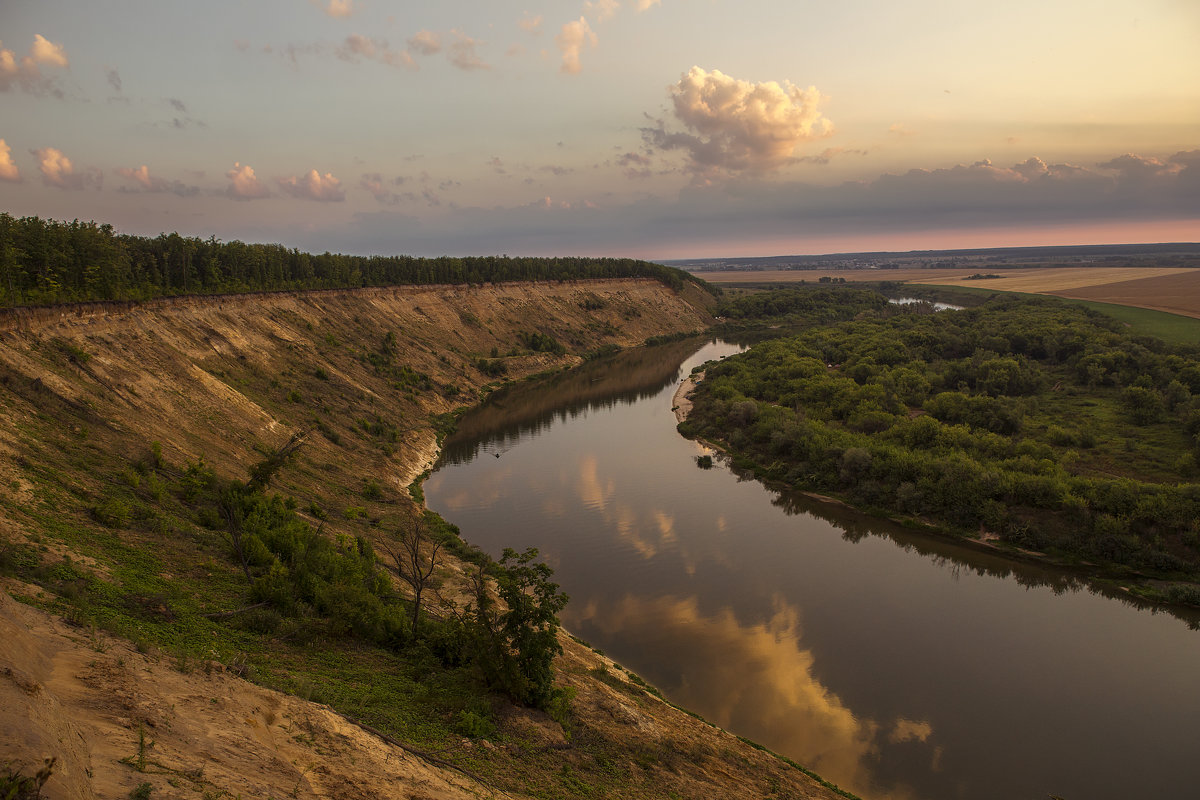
<point x="1030" y="421"/>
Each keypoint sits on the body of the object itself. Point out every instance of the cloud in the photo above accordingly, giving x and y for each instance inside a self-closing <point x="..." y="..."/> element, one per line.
<point x="462" y="52"/>
<point x="314" y="186"/>
<point x="601" y="10"/>
<point x="425" y="43"/>
<point x="634" y="165"/>
<point x="143" y="181"/>
<point x="114" y="78"/>
<point x="8" y="170"/>
<point x="531" y="24"/>
<point x="356" y="46"/>
<point x="244" y="184"/>
<point x="571" y="40"/>
<point x="374" y="183"/>
<point x="1136" y="168"/>
<point x="738" y="125"/>
<point x="760" y="214"/>
<point x="339" y="8"/>
<point x="44" y="51"/>
<point x="645" y="5"/>
<point x="57" y="170"/>
<point x="26" y="74"/>
<point x="828" y="154"/>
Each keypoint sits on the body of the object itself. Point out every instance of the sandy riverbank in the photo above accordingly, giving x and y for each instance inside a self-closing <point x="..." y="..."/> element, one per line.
<point x="681" y="403"/>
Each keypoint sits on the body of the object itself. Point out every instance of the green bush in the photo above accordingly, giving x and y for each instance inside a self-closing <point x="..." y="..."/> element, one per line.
<point x="112" y="513"/>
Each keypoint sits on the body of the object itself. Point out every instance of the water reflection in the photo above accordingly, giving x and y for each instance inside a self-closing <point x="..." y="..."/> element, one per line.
<point x="896" y="664"/>
<point x="958" y="556"/>
<point x="529" y="407"/>
<point x="763" y="678"/>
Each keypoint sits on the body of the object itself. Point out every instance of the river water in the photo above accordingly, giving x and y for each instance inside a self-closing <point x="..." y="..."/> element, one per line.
<point x="895" y="664"/>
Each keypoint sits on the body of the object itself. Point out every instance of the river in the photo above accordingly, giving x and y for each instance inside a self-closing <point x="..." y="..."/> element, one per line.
<point x="896" y="664"/>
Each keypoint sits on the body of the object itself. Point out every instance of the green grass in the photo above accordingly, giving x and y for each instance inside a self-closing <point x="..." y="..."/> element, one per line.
<point x="1171" y="328"/>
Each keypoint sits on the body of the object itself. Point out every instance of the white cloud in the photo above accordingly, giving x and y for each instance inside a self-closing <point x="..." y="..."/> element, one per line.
<point x="738" y="125"/>
<point x="8" y="170"/>
<point x="571" y="40"/>
<point x="244" y="184"/>
<point x="314" y="186"/>
<point x="57" y="170"/>
<point x="425" y="43"/>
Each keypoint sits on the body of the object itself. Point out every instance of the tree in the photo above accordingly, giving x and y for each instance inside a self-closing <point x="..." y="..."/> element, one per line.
<point x="413" y="567"/>
<point x="515" y="649"/>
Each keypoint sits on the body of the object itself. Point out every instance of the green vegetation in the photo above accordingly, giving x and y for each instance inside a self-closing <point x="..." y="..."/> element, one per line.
<point x="43" y="262"/>
<point x="1035" y="420"/>
<point x="1171" y="328"/>
<point x="799" y="306"/>
<point x="15" y="785"/>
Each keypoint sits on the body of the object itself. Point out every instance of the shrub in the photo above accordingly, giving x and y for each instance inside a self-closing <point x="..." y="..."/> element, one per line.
<point x="112" y="513"/>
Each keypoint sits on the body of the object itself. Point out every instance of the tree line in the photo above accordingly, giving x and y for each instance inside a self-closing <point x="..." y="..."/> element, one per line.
<point x="44" y="262"/>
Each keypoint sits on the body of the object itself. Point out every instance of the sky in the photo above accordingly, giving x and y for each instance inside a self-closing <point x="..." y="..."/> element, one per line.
<point x="647" y="128"/>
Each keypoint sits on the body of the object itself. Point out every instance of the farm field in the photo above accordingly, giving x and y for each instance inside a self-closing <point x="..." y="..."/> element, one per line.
<point x="1177" y="293"/>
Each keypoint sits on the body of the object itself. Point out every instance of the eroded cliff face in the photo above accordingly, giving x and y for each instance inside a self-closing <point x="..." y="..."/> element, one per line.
<point x="86" y="391"/>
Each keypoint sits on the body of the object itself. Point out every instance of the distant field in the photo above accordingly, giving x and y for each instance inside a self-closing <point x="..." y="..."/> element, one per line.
<point x="1168" y="289"/>
<point x="1176" y="293"/>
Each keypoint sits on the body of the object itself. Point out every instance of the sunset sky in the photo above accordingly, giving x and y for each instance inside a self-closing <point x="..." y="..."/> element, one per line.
<point x="649" y="128"/>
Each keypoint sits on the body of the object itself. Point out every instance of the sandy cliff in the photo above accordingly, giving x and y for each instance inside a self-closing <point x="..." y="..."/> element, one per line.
<point x="87" y="389"/>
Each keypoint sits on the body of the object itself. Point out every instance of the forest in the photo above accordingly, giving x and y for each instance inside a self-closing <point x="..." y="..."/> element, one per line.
<point x="43" y="262"/>
<point x="1029" y="421"/>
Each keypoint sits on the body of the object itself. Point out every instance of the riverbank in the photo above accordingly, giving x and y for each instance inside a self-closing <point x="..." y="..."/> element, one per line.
<point x="681" y="403"/>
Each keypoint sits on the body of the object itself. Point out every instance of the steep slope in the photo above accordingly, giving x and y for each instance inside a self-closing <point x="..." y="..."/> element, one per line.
<point x="91" y="395"/>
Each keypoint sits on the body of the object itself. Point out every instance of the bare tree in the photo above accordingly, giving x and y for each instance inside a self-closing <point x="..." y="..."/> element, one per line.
<point x="412" y="565"/>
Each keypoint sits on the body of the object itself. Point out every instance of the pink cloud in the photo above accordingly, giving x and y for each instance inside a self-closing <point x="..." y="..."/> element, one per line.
<point x="244" y="184"/>
<point x="25" y="73"/>
<point x="44" y="51"/>
<point x="357" y="46"/>
<point x="531" y="24"/>
<point x="571" y="40"/>
<point x="143" y="181"/>
<point x="57" y="170"/>
<point x="314" y="186"/>
<point x="8" y="170"/>
<point x="425" y="43"/>
<point x="339" y="8"/>
<point x="461" y="52"/>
